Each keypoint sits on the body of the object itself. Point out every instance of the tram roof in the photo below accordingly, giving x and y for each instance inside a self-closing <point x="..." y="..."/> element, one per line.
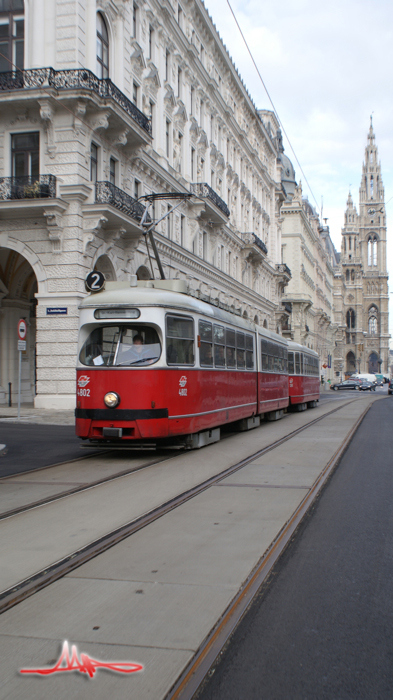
<point x="301" y="348"/>
<point x="121" y="294"/>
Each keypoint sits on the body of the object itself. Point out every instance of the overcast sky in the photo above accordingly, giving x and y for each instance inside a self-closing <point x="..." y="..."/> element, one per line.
<point x="327" y="67"/>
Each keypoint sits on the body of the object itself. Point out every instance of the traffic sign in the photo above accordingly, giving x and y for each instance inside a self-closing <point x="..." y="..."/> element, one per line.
<point x="22" y="345"/>
<point x="22" y="329"/>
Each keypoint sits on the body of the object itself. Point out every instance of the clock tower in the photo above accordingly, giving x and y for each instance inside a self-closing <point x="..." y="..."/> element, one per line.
<point x="361" y="284"/>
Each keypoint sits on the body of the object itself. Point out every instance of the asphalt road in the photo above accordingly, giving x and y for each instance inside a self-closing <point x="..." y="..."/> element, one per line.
<point x="322" y="626"/>
<point x="31" y="446"/>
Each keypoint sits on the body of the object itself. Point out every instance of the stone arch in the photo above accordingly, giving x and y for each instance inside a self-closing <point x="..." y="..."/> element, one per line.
<point x="245" y="314"/>
<point x="30" y="256"/>
<point x="373" y="363"/>
<point x="265" y="323"/>
<point x="350" y="362"/>
<point x="104" y="264"/>
<point x="143" y="273"/>
<point x="256" y="320"/>
<point x="18" y="289"/>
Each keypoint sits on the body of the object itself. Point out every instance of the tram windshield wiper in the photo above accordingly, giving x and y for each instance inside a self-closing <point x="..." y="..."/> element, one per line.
<point x="143" y="359"/>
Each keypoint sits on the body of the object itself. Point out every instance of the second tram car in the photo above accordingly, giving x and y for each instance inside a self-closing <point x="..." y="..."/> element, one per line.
<point x="303" y="376"/>
<point x="156" y="364"/>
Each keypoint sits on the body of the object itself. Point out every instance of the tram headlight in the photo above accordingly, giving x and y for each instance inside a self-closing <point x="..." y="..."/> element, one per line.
<point x="111" y="399"/>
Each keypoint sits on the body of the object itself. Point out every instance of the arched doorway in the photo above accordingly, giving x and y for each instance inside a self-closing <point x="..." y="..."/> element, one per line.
<point x="18" y="285"/>
<point x="373" y="365"/>
<point x="350" y="363"/>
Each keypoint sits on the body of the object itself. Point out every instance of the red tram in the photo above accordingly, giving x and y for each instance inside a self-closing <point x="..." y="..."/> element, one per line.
<point x="157" y="365"/>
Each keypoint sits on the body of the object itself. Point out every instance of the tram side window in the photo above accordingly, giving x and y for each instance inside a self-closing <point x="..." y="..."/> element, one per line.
<point x="240" y="351"/>
<point x="264" y="349"/>
<point x="230" y="337"/>
<point x="219" y="346"/>
<point x="206" y="349"/>
<point x="297" y="362"/>
<point x="291" y="366"/>
<point x="285" y="360"/>
<point x="270" y="349"/>
<point x="179" y="340"/>
<point x="249" y="352"/>
<point x="276" y="358"/>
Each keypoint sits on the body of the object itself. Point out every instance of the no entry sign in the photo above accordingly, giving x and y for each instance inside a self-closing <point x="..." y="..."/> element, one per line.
<point x="22" y="329"/>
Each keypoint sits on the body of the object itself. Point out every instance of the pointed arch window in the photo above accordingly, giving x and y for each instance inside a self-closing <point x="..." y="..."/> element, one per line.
<point x="372" y="325"/>
<point x="369" y="252"/>
<point x="372" y="187"/>
<point x="351" y="318"/>
<point x="102" y="48"/>
<point x="375" y="252"/>
<point x="347" y="275"/>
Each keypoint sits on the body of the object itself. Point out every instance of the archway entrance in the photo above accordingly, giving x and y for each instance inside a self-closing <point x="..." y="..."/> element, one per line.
<point x="373" y="366"/>
<point x="18" y="285"/>
<point x="104" y="265"/>
<point x="350" y="364"/>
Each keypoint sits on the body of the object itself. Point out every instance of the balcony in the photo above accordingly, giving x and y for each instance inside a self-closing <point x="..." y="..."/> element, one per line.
<point x="254" y="246"/>
<point x="284" y="270"/>
<point x="43" y="187"/>
<point x="107" y="193"/>
<point x="216" y="209"/>
<point x="76" y="80"/>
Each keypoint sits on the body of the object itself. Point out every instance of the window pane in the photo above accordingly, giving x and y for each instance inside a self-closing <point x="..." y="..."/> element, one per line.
<point x="25" y="142"/>
<point x="249" y="359"/>
<point x="297" y="362"/>
<point x="5" y="5"/>
<point x="206" y="355"/>
<point x="219" y="334"/>
<point x="249" y="342"/>
<point x="18" y="169"/>
<point x="240" y="340"/>
<point x="19" y="27"/>
<point x="4" y="29"/>
<point x="231" y="357"/>
<point x="219" y="355"/>
<point x="265" y="363"/>
<point x="179" y="327"/>
<point x="205" y="331"/>
<point x="291" y="369"/>
<point x="240" y="359"/>
<point x="34" y="165"/>
<point x="18" y="56"/>
<point x="230" y="338"/>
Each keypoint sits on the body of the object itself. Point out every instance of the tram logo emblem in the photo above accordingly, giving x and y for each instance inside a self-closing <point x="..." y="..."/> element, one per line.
<point x="182" y="384"/>
<point x="83" y="381"/>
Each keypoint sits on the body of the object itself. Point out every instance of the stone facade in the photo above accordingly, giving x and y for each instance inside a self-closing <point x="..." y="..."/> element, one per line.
<point x="308" y="299"/>
<point x="174" y="117"/>
<point x="361" y="282"/>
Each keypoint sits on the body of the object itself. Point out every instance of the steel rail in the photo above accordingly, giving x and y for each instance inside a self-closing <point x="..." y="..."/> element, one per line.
<point x="190" y="680"/>
<point x="41" y="579"/>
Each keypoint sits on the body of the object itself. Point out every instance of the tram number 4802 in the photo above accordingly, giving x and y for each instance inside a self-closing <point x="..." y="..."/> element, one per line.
<point x="83" y="392"/>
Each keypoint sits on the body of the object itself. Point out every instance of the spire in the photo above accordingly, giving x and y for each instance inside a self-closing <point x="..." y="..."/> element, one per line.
<point x="371" y="187"/>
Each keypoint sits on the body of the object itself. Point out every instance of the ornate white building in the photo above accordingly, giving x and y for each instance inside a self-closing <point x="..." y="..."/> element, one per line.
<point x="102" y="103"/>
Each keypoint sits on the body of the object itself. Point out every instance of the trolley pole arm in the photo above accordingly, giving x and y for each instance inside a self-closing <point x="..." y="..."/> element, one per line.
<point x="149" y="233"/>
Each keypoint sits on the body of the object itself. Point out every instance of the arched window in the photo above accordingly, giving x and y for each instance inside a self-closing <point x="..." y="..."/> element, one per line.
<point x="350" y="243"/>
<point x="345" y="245"/>
<point x="352" y="275"/>
<point x="371" y="187"/>
<point x="375" y="252"/>
<point x="372" y="325"/>
<point x="12" y="34"/>
<point x="369" y="252"/>
<point x="347" y="275"/>
<point x="102" y="48"/>
<point x="351" y="318"/>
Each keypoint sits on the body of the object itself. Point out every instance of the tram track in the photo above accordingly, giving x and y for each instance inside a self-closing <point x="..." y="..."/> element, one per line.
<point x="44" y="577"/>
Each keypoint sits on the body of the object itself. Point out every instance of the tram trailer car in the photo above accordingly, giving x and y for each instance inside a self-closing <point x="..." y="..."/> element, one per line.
<point x="157" y="365"/>
<point x="303" y="376"/>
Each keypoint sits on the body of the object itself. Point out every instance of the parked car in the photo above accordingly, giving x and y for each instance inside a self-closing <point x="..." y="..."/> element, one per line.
<point x="390" y="386"/>
<point x="347" y="384"/>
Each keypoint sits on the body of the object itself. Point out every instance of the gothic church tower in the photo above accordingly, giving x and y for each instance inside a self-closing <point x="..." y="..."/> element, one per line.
<point x="361" y="285"/>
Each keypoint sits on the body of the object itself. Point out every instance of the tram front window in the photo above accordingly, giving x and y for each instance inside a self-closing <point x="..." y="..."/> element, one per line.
<point x="121" y="346"/>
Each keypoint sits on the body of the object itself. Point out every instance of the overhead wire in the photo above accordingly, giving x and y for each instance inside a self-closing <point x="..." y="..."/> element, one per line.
<point x="272" y="104"/>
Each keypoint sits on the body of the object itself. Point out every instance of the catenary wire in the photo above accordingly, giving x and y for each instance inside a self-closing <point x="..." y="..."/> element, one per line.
<point x="271" y="102"/>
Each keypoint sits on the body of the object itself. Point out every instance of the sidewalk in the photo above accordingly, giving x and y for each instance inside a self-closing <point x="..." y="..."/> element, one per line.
<point x="29" y="414"/>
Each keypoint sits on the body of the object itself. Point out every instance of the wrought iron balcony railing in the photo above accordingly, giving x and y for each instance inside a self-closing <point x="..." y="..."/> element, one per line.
<point x="282" y="267"/>
<point x="202" y="189"/>
<point x="107" y="193"/>
<point x="25" y="187"/>
<point x="73" y="79"/>
<point x="253" y="239"/>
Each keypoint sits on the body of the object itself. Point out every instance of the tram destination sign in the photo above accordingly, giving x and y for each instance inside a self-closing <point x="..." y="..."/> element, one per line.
<point x="56" y="311"/>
